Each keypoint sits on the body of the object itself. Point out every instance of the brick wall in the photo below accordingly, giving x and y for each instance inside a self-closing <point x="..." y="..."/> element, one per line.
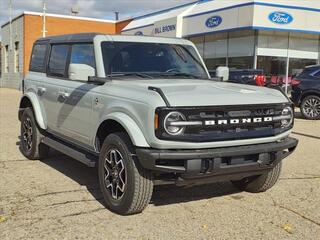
<point x="58" y="26"/>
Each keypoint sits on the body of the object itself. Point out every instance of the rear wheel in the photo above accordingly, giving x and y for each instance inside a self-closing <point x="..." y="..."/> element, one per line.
<point x="260" y="183"/>
<point x="310" y="107"/>
<point x="30" y="144"/>
<point x="126" y="186"/>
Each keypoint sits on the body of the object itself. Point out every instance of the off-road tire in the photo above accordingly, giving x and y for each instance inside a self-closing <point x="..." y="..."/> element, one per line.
<point x="139" y="183"/>
<point x="37" y="150"/>
<point x="260" y="183"/>
<point x="305" y="104"/>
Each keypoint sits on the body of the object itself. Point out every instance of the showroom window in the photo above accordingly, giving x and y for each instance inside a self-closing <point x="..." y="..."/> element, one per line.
<point x="199" y="42"/>
<point x="296" y="65"/>
<point x="273" y="39"/>
<point x="240" y="62"/>
<point x="304" y="42"/>
<point x="241" y="44"/>
<point x="216" y="45"/>
<point x="213" y="63"/>
<point x="272" y="65"/>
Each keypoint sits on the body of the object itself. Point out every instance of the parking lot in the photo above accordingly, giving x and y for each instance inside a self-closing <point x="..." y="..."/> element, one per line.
<point x="59" y="198"/>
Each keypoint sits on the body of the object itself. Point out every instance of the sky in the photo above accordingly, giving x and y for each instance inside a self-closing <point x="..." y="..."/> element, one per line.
<point x="89" y="8"/>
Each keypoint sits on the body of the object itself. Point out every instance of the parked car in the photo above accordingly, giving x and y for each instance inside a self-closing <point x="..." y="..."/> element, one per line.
<point x="306" y="92"/>
<point x="245" y="76"/>
<point x="144" y="111"/>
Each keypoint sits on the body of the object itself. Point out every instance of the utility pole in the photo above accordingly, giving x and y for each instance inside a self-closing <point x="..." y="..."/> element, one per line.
<point x="10" y="25"/>
<point x="44" y="19"/>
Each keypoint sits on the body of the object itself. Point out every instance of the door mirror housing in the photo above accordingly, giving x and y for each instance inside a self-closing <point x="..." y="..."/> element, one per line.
<point x="79" y="71"/>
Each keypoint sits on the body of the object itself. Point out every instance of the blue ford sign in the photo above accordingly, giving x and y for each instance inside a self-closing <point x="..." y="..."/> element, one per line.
<point x="214" y="21"/>
<point x="280" y="17"/>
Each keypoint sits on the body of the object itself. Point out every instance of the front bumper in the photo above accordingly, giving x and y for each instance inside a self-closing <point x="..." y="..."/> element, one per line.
<point x="239" y="161"/>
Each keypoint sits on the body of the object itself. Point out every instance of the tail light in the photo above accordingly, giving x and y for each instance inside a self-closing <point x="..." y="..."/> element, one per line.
<point x="260" y="80"/>
<point x="295" y="82"/>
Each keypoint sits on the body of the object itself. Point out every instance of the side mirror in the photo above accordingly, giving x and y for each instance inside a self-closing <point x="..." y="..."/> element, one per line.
<point x="79" y="71"/>
<point x="223" y="73"/>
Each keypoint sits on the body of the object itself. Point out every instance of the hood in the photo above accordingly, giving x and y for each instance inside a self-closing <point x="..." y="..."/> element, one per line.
<point x="193" y="92"/>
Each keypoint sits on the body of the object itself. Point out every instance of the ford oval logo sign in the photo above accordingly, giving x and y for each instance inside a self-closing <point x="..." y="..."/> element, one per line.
<point x="214" y="21"/>
<point x="139" y="33"/>
<point x="280" y="17"/>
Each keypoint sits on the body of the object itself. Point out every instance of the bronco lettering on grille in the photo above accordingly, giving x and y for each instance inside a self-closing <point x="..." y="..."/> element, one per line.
<point x="238" y="121"/>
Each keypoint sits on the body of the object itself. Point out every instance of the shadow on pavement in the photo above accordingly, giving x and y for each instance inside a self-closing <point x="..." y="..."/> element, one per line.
<point x="162" y="195"/>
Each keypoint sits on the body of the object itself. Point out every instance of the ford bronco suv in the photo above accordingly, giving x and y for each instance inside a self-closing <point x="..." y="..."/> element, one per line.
<point x="145" y="111"/>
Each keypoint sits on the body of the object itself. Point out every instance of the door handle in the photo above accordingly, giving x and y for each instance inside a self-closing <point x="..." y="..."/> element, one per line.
<point x="41" y="90"/>
<point x="63" y="95"/>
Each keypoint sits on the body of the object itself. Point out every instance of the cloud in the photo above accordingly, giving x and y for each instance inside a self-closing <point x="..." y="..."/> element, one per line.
<point x="89" y="8"/>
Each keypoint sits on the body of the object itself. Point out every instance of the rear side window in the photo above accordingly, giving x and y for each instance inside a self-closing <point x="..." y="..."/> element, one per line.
<point x="38" y="57"/>
<point x="58" y="60"/>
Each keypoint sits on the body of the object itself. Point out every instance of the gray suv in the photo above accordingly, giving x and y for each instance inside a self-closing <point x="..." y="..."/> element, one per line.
<point x="145" y="111"/>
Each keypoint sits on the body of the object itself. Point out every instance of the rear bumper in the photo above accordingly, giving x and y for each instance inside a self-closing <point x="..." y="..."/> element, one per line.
<point x="243" y="160"/>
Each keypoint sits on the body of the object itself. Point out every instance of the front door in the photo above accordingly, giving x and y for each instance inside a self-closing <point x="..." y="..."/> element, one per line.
<point x="74" y="99"/>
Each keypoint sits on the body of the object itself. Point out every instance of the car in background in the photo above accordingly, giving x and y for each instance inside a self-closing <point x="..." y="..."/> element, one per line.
<point x="306" y="92"/>
<point x="245" y="76"/>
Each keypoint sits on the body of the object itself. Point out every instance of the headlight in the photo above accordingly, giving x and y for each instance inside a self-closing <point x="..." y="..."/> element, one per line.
<point x="169" y="123"/>
<point x="287" y="117"/>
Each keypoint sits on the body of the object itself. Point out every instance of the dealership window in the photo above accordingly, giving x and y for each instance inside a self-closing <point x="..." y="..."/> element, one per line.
<point x="241" y="44"/>
<point x="216" y="45"/>
<point x="240" y="62"/>
<point x="58" y="60"/>
<point x="199" y="42"/>
<point x="273" y="39"/>
<point x="304" y="42"/>
<point x="16" y="57"/>
<point x="213" y="63"/>
<point x="272" y="65"/>
<point x="6" y="59"/>
<point x="296" y="65"/>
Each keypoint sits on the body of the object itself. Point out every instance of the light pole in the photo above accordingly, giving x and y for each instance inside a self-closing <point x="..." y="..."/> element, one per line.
<point x="44" y="19"/>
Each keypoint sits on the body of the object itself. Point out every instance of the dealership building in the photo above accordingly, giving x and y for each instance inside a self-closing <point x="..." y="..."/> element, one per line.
<point x="279" y="36"/>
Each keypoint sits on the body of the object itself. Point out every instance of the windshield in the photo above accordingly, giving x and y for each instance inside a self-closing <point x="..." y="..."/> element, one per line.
<point x="151" y="60"/>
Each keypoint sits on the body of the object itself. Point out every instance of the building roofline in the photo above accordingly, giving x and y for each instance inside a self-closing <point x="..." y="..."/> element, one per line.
<point x="64" y="16"/>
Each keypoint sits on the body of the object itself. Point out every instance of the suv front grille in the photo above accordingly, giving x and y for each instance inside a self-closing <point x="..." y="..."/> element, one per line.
<point x="220" y="123"/>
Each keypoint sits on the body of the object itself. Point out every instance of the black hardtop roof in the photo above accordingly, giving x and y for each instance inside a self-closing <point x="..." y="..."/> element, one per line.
<point x="78" y="37"/>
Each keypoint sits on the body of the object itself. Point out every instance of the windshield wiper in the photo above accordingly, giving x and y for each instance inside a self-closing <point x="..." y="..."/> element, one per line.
<point x="180" y="74"/>
<point x="137" y="74"/>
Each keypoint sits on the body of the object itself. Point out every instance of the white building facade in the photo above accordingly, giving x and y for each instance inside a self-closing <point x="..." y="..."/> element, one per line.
<point x="279" y="36"/>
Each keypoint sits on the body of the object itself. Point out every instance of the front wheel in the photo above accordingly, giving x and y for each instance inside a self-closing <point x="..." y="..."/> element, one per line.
<point x="310" y="107"/>
<point x="260" y="183"/>
<point x="126" y="186"/>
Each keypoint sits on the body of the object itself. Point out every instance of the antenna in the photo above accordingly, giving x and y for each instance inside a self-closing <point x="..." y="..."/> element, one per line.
<point x="74" y="10"/>
<point x="44" y="19"/>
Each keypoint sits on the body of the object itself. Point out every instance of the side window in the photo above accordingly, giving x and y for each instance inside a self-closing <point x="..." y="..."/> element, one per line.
<point x="82" y="62"/>
<point x="58" y="60"/>
<point x="317" y="74"/>
<point x="38" y="57"/>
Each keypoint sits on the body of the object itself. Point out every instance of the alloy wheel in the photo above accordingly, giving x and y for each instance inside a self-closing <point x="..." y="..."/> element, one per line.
<point x="115" y="174"/>
<point x="311" y="108"/>
<point x="27" y="133"/>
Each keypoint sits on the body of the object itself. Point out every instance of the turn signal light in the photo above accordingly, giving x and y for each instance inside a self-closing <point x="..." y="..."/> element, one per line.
<point x="156" y="121"/>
